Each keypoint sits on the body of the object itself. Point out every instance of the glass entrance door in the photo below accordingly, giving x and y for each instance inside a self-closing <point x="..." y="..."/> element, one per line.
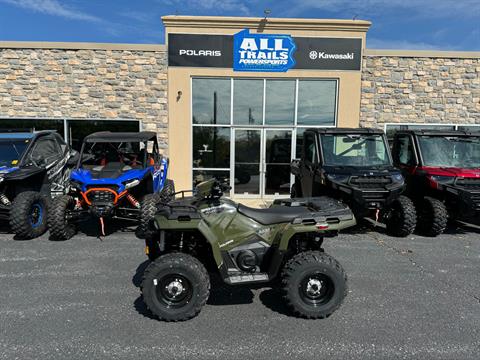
<point x="246" y="162"/>
<point x="261" y="162"/>
<point x="276" y="160"/>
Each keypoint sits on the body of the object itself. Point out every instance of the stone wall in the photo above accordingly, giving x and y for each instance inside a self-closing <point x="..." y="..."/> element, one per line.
<point x="90" y="84"/>
<point x="419" y="90"/>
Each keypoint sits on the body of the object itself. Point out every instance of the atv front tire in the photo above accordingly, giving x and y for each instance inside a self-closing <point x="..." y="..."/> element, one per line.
<point x="314" y="284"/>
<point x="175" y="287"/>
<point x="402" y="219"/>
<point x="433" y="217"/>
<point x="60" y="227"/>
<point x="28" y="215"/>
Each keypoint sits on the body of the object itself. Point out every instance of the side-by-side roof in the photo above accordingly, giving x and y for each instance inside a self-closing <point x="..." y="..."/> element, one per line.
<point x="108" y="136"/>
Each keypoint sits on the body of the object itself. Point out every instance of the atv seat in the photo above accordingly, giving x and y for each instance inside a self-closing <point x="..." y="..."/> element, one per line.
<point x="273" y="215"/>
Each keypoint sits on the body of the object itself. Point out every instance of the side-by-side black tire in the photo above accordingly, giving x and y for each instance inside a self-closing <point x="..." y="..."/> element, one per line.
<point x="432" y="217"/>
<point x="58" y="224"/>
<point x="148" y="209"/>
<point x="175" y="287"/>
<point x="402" y="219"/>
<point x="168" y="192"/>
<point x="314" y="284"/>
<point x="28" y="215"/>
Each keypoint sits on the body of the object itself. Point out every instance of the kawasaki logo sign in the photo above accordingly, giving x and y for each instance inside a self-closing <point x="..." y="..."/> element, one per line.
<point x="262" y="52"/>
<point x="247" y="51"/>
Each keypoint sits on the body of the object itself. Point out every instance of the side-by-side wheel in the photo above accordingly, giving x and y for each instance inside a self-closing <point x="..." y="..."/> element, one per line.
<point x="402" y="217"/>
<point x="28" y="215"/>
<point x="58" y="220"/>
<point x="432" y="217"/>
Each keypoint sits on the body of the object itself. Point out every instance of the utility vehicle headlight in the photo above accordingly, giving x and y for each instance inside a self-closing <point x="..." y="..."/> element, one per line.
<point x="398" y="178"/>
<point x="131" y="184"/>
<point x="337" y="178"/>
<point x="442" y="179"/>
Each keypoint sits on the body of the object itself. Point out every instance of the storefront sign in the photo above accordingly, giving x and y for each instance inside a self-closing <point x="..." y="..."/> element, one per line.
<point x="262" y="52"/>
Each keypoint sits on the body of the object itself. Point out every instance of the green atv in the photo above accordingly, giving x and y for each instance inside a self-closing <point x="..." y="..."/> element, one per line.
<point x="192" y="236"/>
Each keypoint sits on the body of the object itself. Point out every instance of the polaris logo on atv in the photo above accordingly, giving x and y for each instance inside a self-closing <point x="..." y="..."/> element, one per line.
<point x="263" y="52"/>
<point x="213" y="210"/>
<point x="200" y="52"/>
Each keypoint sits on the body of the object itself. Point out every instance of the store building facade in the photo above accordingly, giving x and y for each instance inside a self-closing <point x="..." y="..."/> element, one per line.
<point x="231" y="97"/>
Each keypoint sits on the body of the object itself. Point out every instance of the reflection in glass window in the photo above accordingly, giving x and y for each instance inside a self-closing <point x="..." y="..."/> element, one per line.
<point x="211" y="147"/>
<point x="211" y="101"/>
<point x="280" y="102"/>
<point x="247" y="102"/>
<point x="204" y="175"/>
<point x="316" y="102"/>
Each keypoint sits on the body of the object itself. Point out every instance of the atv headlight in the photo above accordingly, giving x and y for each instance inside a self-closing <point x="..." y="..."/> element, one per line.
<point x="442" y="179"/>
<point x="131" y="184"/>
<point x="398" y="178"/>
<point x="337" y="178"/>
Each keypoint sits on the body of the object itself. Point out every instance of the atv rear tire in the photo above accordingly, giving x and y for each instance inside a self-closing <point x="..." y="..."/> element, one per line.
<point x="148" y="209"/>
<point x="28" y="215"/>
<point x="433" y="217"/>
<point x="314" y="284"/>
<point x="402" y="219"/>
<point x="60" y="227"/>
<point x="168" y="192"/>
<point x="175" y="287"/>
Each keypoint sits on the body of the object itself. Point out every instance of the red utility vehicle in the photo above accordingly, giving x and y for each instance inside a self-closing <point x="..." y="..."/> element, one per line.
<point x="442" y="171"/>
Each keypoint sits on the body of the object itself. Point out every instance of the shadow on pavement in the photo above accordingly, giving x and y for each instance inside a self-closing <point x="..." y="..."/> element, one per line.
<point x="272" y="299"/>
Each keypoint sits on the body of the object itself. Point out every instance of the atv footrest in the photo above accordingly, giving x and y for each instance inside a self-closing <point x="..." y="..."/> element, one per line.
<point x="247" y="278"/>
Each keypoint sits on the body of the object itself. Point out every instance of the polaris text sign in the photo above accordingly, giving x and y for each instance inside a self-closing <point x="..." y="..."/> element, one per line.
<point x="263" y="52"/>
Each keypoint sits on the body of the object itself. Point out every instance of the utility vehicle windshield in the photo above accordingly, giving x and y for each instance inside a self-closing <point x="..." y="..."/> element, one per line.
<point x="450" y="151"/>
<point x="11" y="151"/>
<point x="354" y="150"/>
<point x="116" y="156"/>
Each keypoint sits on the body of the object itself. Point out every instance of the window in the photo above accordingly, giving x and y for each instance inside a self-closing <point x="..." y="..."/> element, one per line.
<point x="280" y="102"/>
<point x="45" y="150"/>
<point x="310" y="150"/>
<point x="405" y="155"/>
<point x="316" y="102"/>
<point x="211" y="147"/>
<point x="247" y="102"/>
<point x="211" y="101"/>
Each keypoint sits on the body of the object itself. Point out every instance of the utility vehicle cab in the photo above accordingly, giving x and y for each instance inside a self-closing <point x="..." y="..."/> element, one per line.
<point x="354" y="165"/>
<point x="442" y="171"/>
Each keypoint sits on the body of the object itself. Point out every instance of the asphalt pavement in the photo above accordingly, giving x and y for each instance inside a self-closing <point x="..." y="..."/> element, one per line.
<point x="411" y="298"/>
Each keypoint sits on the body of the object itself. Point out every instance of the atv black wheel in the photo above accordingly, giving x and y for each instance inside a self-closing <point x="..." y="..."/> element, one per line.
<point x="314" y="284"/>
<point x="28" y="215"/>
<point x="168" y="192"/>
<point x="402" y="218"/>
<point x="148" y="209"/>
<point x="432" y="216"/>
<point x="60" y="227"/>
<point x="175" y="287"/>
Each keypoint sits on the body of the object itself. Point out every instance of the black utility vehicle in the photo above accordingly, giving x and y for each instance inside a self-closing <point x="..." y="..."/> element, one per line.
<point x="34" y="167"/>
<point x="355" y="165"/>
<point x="442" y="171"/>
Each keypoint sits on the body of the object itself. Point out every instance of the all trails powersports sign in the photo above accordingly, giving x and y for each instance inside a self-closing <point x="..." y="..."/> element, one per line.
<point x="262" y="52"/>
